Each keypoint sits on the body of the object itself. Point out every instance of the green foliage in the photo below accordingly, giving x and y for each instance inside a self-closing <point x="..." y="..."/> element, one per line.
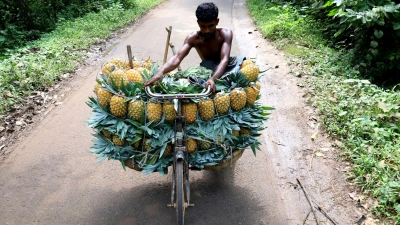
<point x="27" y="20"/>
<point x="374" y="27"/>
<point x="41" y="63"/>
<point x="363" y="117"/>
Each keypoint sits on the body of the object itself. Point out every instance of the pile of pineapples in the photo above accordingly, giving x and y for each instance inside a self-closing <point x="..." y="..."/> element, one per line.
<point x="129" y="125"/>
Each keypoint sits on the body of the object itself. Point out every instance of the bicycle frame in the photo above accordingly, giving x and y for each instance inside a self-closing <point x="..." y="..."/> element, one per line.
<point x="180" y="173"/>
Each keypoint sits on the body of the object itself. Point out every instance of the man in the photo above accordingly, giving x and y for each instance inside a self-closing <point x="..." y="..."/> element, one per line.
<point x="211" y="43"/>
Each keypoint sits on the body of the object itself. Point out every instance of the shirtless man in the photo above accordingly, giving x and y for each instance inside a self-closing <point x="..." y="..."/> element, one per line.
<point x="211" y="43"/>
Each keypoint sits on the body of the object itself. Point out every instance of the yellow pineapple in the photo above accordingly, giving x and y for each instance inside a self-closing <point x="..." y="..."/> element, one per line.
<point x="246" y="62"/>
<point x="222" y="102"/>
<point x="117" y="141"/>
<point x="191" y="145"/>
<point x="96" y="88"/>
<point x="154" y="111"/>
<point x="169" y="110"/>
<point x="250" y="72"/>
<point x="118" y="63"/>
<point x="147" y="63"/>
<point x="104" y="97"/>
<point x="251" y="94"/>
<point x="134" y="76"/>
<point x="190" y="111"/>
<point x="238" y="99"/>
<point x="136" y="144"/>
<point x="136" y="109"/>
<point x="146" y="144"/>
<point x="106" y="133"/>
<point x="235" y="133"/>
<point x="257" y="85"/>
<point x="168" y="150"/>
<point x="244" y="131"/>
<point x="206" y="109"/>
<point x="141" y="70"/>
<point x="107" y="68"/>
<point x="118" y="106"/>
<point x="119" y="77"/>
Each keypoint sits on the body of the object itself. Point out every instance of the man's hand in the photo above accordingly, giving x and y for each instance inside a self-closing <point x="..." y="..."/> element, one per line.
<point x="210" y="82"/>
<point x="156" y="77"/>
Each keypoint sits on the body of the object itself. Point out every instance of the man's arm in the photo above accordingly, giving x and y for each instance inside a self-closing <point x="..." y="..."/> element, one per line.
<point x="173" y="62"/>
<point x="225" y="53"/>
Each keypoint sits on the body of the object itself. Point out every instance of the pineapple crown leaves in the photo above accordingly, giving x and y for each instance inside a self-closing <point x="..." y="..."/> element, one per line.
<point x="197" y="71"/>
<point x="231" y="81"/>
<point x="104" y="148"/>
<point x="170" y="86"/>
<point x="100" y="116"/>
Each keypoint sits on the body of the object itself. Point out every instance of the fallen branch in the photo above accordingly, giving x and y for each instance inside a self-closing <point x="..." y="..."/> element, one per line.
<point x="324" y="213"/>
<point x="309" y="202"/>
<point x="304" y="221"/>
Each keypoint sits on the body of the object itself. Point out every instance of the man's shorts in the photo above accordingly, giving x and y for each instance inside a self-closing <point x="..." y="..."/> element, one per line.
<point x="233" y="65"/>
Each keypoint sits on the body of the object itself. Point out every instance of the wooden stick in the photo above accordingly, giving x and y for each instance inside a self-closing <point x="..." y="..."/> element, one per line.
<point x="128" y="47"/>
<point x="312" y="156"/>
<point x="166" y="46"/>
<point x="309" y="202"/>
<point x="324" y="213"/>
<point x="304" y="221"/>
<point x="173" y="52"/>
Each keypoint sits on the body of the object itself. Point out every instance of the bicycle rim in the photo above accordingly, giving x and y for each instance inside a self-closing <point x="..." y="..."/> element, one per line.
<point x="180" y="199"/>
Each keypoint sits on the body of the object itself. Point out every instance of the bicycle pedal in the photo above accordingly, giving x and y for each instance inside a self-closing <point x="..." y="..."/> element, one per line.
<point x="171" y="205"/>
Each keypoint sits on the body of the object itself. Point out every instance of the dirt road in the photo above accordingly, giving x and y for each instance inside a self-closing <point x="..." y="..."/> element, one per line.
<point x="50" y="178"/>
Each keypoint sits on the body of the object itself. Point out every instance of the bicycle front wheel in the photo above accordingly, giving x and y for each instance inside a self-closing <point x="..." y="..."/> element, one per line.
<point x="180" y="195"/>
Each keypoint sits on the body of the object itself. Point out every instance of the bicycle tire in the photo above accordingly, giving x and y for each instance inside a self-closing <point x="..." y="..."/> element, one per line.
<point x="180" y="195"/>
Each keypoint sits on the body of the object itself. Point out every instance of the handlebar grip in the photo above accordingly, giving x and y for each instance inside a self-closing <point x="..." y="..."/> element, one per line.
<point x="178" y="96"/>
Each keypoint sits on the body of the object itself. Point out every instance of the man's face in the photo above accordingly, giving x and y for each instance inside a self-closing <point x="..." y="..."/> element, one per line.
<point x="207" y="29"/>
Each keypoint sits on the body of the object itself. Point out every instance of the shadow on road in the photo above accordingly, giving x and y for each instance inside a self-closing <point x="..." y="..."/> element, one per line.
<point x="217" y="201"/>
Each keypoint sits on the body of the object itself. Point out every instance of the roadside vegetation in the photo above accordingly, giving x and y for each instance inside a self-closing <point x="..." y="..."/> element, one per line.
<point x="33" y="59"/>
<point x="353" y="74"/>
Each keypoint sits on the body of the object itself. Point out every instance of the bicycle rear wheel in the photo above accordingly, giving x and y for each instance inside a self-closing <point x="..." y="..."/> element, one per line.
<point x="180" y="195"/>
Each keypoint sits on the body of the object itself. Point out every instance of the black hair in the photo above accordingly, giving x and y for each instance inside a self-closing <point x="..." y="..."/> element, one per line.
<point x="207" y="12"/>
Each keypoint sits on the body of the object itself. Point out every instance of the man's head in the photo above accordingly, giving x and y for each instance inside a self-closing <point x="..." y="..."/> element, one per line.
<point x="207" y="12"/>
<point x="207" y="18"/>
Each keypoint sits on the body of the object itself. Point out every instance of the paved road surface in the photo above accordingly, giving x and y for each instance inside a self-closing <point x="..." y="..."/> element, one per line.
<point x="50" y="178"/>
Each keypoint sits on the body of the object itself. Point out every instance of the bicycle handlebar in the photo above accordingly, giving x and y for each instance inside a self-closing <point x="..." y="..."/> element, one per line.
<point x="179" y="96"/>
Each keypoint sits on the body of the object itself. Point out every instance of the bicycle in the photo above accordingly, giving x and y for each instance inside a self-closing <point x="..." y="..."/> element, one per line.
<point x="180" y="190"/>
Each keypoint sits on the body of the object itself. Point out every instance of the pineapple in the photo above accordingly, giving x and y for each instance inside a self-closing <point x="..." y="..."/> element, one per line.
<point x="204" y="144"/>
<point x="206" y="109"/>
<point x="154" y="111"/>
<point x="106" y="133"/>
<point x="190" y="111"/>
<point x="191" y="145"/>
<point x="118" y="106"/>
<point x="222" y="102"/>
<point x="134" y="76"/>
<point x="136" y="144"/>
<point x="169" y="110"/>
<point x="119" y="77"/>
<point x="147" y="63"/>
<point x="117" y="141"/>
<point x="136" y="109"/>
<point x="251" y="94"/>
<point x="244" y="131"/>
<point x="235" y="133"/>
<point x="246" y="62"/>
<point x="141" y="70"/>
<point x="107" y="68"/>
<point x="250" y="72"/>
<point x="238" y="99"/>
<point x="104" y="97"/>
<point x="118" y="63"/>
<point x="257" y="85"/>
<point x="168" y="150"/>
<point x="96" y="88"/>
<point x="146" y="144"/>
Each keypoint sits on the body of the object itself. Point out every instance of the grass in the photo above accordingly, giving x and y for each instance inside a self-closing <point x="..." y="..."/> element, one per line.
<point x="40" y="64"/>
<point x="362" y="116"/>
